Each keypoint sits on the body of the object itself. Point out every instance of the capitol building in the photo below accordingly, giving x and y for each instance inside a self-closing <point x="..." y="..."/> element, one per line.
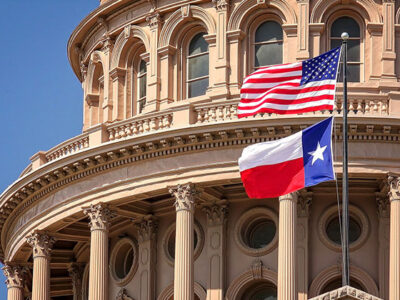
<point x="147" y="202"/>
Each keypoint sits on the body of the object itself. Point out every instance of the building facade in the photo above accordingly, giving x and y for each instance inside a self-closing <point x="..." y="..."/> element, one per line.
<point x="147" y="203"/>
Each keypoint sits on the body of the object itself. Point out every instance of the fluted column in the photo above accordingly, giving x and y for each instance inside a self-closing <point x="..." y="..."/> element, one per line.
<point x="147" y="233"/>
<point x="14" y="281"/>
<point x="41" y="245"/>
<point x="99" y="216"/>
<point x="75" y="272"/>
<point x="394" y="269"/>
<point x="184" y="242"/>
<point x="287" y="247"/>
<point x="215" y="245"/>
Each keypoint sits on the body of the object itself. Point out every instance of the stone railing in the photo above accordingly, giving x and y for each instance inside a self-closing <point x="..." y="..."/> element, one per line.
<point x="227" y="110"/>
<point x="68" y="147"/>
<point x="139" y="125"/>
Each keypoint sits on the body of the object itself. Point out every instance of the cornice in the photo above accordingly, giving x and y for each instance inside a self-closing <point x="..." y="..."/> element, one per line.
<point x="90" y="161"/>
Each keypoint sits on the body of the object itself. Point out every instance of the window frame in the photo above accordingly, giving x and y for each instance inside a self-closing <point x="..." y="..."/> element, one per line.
<point x="350" y="14"/>
<point x="136" y="55"/>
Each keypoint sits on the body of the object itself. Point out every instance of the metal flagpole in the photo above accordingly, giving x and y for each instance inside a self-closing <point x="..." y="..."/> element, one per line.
<point x="345" y="187"/>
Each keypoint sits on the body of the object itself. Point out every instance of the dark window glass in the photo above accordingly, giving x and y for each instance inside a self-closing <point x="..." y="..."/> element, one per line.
<point x="124" y="260"/>
<point x="333" y="230"/>
<point x="142" y="83"/>
<point x="260" y="233"/>
<point x="262" y="291"/>
<point x="346" y="24"/>
<point x="268" y="44"/>
<point x="337" y="283"/>
<point x="198" y="66"/>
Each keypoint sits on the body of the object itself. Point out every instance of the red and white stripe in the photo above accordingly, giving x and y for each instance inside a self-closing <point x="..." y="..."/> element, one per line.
<point x="277" y="89"/>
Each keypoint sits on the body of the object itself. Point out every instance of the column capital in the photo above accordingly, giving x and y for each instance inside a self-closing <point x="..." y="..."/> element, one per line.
<point x="304" y="202"/>
<point x="147" y="228"/>
<point x="184" y="196"/>
<point x="394" y="188"/>
<point x="216" y="213"/>
<point x="289" y="197"/>
<point x="15" y="276"/>
<point x="41" y="244"/>
<point x="100" y="216"/>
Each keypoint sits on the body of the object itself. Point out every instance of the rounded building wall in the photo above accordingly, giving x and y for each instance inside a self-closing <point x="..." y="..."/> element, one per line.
<point x="161" y="83"/>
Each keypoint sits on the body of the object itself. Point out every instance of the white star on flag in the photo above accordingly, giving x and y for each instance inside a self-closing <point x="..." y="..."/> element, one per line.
<point x="317" y="154"/>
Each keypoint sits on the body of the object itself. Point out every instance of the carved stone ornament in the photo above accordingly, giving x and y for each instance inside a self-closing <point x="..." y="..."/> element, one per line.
<point x="221" y="4"/>
<point x="394" y="186"/>
<point x="256" y="269"/>
<point x="304" y="203"/>
<point x="15" y="276"/>
<point x="383" y="205"/>
<point x="41" y="244"/>
<point x="153" y="20"/>
<point x="216" y="213"/>
<point x="75" y="272"/>
<point x="184" y="196"/>
<point x="99" y="215"/>
<point x="123" y="295"/>
<point x="147" y="229"/>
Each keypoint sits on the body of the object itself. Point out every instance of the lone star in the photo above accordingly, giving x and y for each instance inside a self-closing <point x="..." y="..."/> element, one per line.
<point x="318" y="153"/>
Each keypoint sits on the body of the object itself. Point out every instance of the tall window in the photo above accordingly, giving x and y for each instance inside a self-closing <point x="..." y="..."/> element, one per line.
<point x="349" y="25"/>
<point x="197" y="66"/>
<point x="141" y="84"/>
<point x="268" y="42"/>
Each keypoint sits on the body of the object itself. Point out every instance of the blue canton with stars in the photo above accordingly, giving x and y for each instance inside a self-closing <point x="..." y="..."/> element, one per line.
<point x="323" y="67"/>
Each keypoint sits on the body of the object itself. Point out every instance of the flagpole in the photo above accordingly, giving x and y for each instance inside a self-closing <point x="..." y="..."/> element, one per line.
<point x="345" y="187"/>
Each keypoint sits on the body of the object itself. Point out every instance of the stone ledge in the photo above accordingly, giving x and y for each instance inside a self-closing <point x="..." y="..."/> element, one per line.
<point x="346" y="293"/>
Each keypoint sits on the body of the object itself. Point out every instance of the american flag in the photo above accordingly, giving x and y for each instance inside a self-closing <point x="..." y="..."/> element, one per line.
<point x="291" y="88"/>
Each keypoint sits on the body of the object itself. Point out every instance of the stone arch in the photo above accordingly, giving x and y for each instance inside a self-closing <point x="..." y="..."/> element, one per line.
<point x="124" y="40"/>
<point x="369" y="10"/>
<point x="241" y="12"/>
<point x="97" y="57"/>
<point x="179" y="17"/>
<point x="245" y="279"/>
<point x="398" y="16"/>
<point x="333" y="272"/>
<point x="168" y="292"/>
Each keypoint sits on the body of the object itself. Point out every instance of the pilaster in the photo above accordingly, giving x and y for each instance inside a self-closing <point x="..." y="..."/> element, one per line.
<point x="389" y="54"/>
<point x="41" y="244"/>
<point x="75" y="272"/>
<point x="166" y="55"/>
<point x="287" y="247"/>
<point x="394" y="261"/>
<point x="153" y="71"/>
<point x="303" y="215"/>
<point x="107" y="104"/>
<point x="316" y="30"/>
<point x="117" y="76"/>
<point x="147" y="233"/>
<point x="236" y="70"/>
<point x="383" y="206"/>
<point x="302" y="30"/>
<point x="184" y="241"/>
<point x="15" y="276"/>
<point x="100" y="216"/>
<point x="216" y="245"/>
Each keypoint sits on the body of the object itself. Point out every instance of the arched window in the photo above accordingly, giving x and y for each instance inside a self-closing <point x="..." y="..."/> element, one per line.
<point x="141" y="85"/>
<point x="261" y="291"/>
<point x="268" y="42"/>
<point x="197" y="66"/>
<point x="337" y="283"/>
<point x="349" y="25"/>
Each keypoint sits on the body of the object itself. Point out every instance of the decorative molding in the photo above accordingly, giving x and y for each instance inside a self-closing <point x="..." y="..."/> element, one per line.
<point x="184" y="195"/>
<point x="344" y="293"/>
<point x="394" y="188"/>
<point x="147" y="228"/>
<point x="154" y="20"/>
<point x="115" y="255"/>
<point x="221" y="4"/>
<point x="41" y="244"/>
<point x="304" y="202"/>
<point x="75" y="272"/>
<point x="216" y="213"/>
<point x="100" y="216"/>
<point x="123" y="295"/>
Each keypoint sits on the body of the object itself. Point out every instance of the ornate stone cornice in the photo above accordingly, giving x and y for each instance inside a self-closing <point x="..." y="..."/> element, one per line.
<point x="394" y="186"/>
<point x="15" y="276"/>
<point x="216" y="213"/>
<point x="147" y="228"/>
<point x="184" y="196"/>
<point x="100" y="216"/>
<point x="41" y="244"/>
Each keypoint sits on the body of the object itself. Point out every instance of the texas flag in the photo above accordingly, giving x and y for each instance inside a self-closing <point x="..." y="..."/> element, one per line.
<point x="276" y="168"/>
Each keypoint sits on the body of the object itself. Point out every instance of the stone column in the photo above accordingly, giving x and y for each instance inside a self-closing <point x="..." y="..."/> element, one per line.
<point x="75" y="272"/>
<point x="41" y="244"/>
<point x="147" y="233"/>
<point x="99" y="216"/>
<point x="184" y="241"/>
<point x="216" y="241"/>
<point x="14" y="281"/>
<point x="287" y="247"/>
<point x="394" y="268"/>
<point x="303" y="214"/>
<point x="384" y="243"/>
